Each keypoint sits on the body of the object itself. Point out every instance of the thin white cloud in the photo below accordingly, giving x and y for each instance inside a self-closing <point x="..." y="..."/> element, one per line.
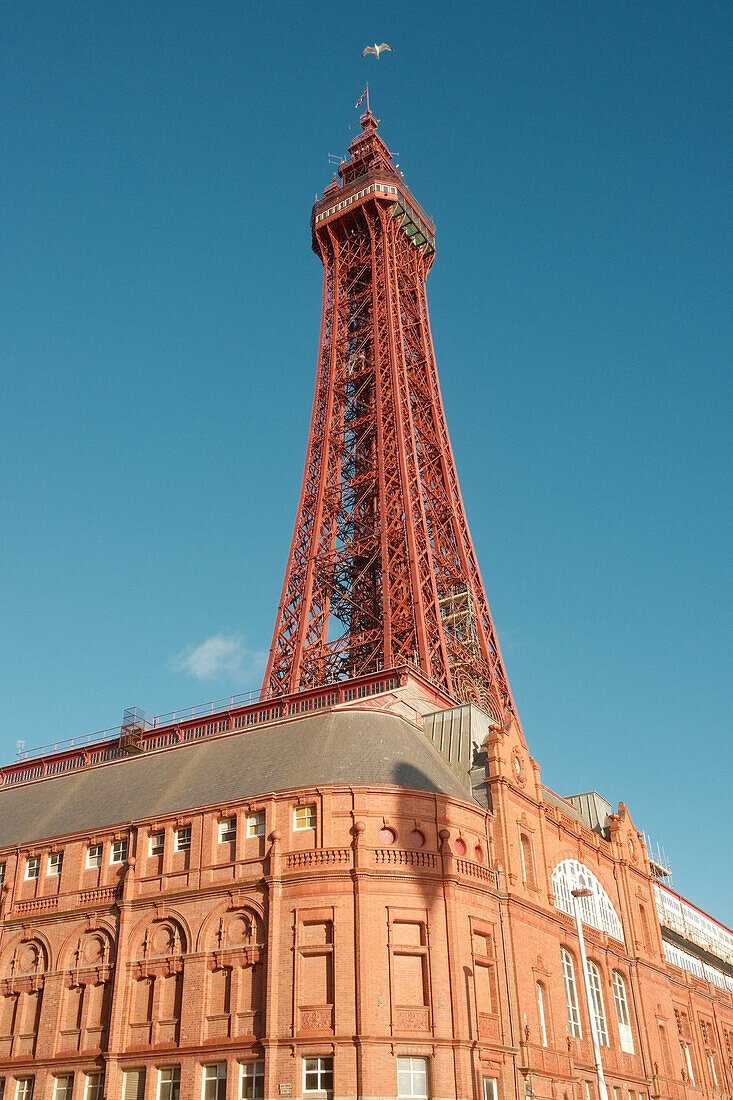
<point x="222" y="655"/>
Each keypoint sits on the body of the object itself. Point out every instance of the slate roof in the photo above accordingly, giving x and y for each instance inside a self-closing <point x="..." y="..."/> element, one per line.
<point x="333" y="747"/>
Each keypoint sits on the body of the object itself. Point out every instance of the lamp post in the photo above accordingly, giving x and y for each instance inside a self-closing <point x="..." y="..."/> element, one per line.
<point x="584" y="892"/>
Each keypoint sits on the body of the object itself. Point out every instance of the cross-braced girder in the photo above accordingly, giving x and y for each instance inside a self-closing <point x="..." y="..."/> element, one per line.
<point x="382" y="571"/>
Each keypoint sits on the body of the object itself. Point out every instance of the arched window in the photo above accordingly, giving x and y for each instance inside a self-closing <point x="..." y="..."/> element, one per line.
<point x="541" y="1013"/>
<point x="622" y="1012"/>
<point x="596" y="910"/>
<point x="527" y="864"/>
<point x="599" y="1012"/>
<point x="571" y="994"/>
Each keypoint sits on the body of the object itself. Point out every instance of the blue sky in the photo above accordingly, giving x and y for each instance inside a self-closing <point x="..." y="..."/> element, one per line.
<point x="159" y="330"/>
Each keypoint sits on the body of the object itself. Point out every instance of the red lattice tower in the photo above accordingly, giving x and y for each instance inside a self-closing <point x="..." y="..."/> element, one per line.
<point x="382" y="571"/>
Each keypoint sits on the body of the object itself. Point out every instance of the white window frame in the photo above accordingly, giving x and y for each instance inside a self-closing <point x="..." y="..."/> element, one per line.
<point x="183" y="839"/>
<point x="34" y="863"/>
<point x="220" y="1069"/>
<point x="322" y="1070"/>
<point x="2" y="873"/>
<point x="623" y="1021"/>
<point x="254" y="1072"/>
<point x="598" y="1007"/>
<point x="118" y="851"/>
<point x="541" y="1012"/>
<point x="171" y="1081"/>
<point x="414" y="1068"/>
<point x="142" y="1078"/>
<point x="571" y="993"/>
<point x="94" y="1086"/>
<point x="597" y="909"/>
<point x="711" y="1065"/>
<point x="227" y="830"/>
<point x="66" y="1094"/>
<point x="490" y="1088"/>
<point x="95" y="859"/>
<point x="22" y="1083"/>
<point x="310" y="811"/>
<point x="156" y="847"/>
<point x="55" y="863"/>
<point x="256" y="823"/>
<point x="688" y="1062"/>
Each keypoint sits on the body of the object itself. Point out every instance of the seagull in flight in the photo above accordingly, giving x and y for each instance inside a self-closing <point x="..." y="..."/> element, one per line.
<point x="376" y="50"/>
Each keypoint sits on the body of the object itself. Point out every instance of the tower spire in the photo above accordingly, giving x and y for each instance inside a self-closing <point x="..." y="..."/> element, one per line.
<point x="382" y="571"/>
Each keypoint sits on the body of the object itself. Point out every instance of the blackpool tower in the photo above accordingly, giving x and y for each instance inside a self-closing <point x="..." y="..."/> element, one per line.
<point x="382" y="572"/>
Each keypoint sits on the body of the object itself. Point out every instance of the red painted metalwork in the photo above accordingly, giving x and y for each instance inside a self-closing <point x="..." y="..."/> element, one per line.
<point x="382" y="571"/>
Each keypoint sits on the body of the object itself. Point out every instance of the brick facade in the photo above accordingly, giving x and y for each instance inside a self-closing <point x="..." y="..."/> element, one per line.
<point x="353" y="923"/>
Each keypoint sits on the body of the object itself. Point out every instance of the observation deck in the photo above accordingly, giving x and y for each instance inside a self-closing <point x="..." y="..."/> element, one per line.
<point x="369" y="175"/>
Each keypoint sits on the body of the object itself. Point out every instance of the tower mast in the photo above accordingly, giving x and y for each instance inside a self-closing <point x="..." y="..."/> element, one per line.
<point x="382" y="571"/>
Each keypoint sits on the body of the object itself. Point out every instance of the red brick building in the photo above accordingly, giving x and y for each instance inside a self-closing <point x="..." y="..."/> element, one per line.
<point x="365" y="900"/>
<point x="358" y="888"/>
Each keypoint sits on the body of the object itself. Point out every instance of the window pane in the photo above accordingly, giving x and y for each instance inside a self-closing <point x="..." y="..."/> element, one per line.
<point x="62" y="1088"/>
<point x="133" y="1085"/>
<point x="253" y="1080"/>
<point x="305" y="817"/>
<point x="170" y="1083"/>
<point x="412" y="1077"/>
<point x="94" y="1087"/>
<point x="215" y="1081"/>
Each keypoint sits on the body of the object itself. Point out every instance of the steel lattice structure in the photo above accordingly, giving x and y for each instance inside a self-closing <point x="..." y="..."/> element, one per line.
<point x="382" y="571"/>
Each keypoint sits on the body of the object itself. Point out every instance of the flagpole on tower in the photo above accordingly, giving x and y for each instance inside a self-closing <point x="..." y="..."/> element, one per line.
<point x="367" y="92"/>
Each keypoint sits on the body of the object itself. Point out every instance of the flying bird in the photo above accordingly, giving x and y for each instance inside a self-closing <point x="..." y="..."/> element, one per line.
<point x="376" y="50"/>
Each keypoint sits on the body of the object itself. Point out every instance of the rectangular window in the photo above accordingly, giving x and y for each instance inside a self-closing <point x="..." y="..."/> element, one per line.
<point x="713" y="1073"/>
<point x="183" y="839"/>
<point x="305" y="817"/>
<point x="318" y="1075"/>
<point x="133" y="1084"/>
<point x="169" y="1083"/>
<point x="24" y="1088"/>
<point x="2" y="880"/>
<point x="157" y="844"/>
<point x="215" y="1082"/>
<point x="32" y="869"/>
<point x="688" y="1062"/>
<point x="55" y="863"/>
<point x="94" y="855"/>
<point x="227" y="830"/>
<point x="489" y="1088"/>
<point x="119" y="851"/>
<point x="412" y="1077"/>
<point x="256" y="824"/>
<point x="253" y="1080"/>
<point x="63" y="1087"/>
<point x="94" y="1087"/>
<point x="571" y="999"/>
